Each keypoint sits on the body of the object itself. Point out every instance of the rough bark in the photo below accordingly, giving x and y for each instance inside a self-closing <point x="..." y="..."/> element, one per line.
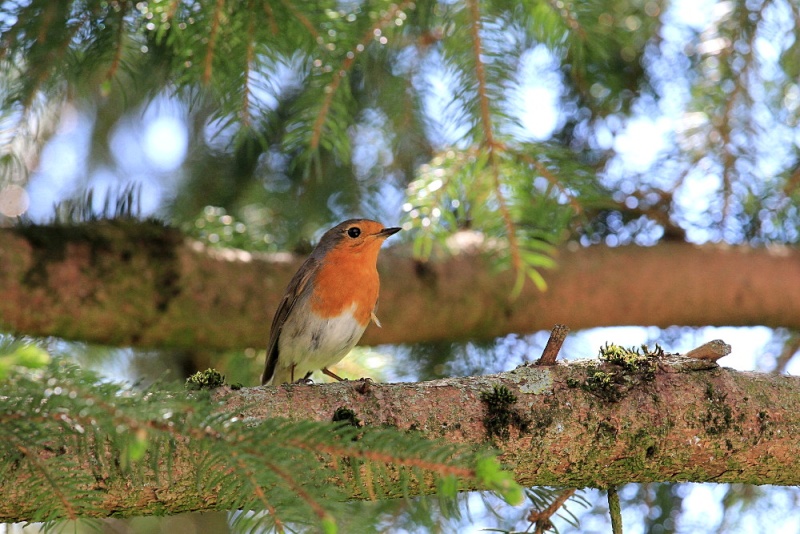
<point x="145" y="285"/>
<point x="678" y="420"/>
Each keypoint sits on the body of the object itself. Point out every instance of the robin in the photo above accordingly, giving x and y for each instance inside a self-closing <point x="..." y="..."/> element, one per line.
<point x="328" y="303"/>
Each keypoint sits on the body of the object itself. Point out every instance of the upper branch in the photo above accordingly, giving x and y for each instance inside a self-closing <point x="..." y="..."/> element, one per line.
<point x="144" y="286"/>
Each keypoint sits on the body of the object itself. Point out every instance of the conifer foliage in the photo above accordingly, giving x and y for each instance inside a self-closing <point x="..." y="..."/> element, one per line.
<point x="284" y="99"/>
<point x="295" y="92"/>
<point x="64" y="430"/>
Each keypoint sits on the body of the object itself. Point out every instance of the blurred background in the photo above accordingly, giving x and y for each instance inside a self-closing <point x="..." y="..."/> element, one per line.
<point x="258" y="124"/>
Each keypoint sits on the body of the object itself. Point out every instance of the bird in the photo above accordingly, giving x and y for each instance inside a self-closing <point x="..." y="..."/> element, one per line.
<point x="328" y="303"/>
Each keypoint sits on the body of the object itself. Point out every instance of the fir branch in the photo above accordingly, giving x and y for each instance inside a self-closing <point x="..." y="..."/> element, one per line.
<point x="118" y="45"/>
<point x="387" y="458"/>
<point x="259" y="491"/>
<point x="480" y="75"/>
<point x="304" y="21"/>
<point x="549" y="176"/>
<point x="212" y="41"/>
<point x="273" y="25"/>
<point x="301" y="492"/>
<point x="244" y="113"/>
<point x="44" y="69"/>
<point x="347" y="64"/>
<point x="202" y="439"/>
<point x="569" y="17"/>
<point x="172" y="9"/>
<point x="486" y="118"/>
<point x="575" y="31"/>
<point x="54" y="487"/>
<point x="726" y="130"/>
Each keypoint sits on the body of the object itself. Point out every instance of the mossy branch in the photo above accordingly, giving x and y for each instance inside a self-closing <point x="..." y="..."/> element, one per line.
<point x="687" y="423"/>
<point x="145" y="285"/>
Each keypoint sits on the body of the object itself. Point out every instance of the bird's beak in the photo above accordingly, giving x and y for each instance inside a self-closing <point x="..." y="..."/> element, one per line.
<point x="386" y="232"/>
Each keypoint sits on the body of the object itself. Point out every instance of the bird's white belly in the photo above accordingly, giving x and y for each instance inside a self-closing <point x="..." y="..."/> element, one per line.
<point x="314" y="343"/>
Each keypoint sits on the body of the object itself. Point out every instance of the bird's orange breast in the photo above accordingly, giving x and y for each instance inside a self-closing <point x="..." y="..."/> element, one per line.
<point x="345" y="278"/>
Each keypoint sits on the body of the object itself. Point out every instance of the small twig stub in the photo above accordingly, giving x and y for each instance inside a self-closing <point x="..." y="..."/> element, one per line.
<point x="553" y="347"/>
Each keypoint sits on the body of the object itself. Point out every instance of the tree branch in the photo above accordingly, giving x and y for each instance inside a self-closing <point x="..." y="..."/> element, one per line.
<point x="145" y="285"/>
<point x="688" y="420"/>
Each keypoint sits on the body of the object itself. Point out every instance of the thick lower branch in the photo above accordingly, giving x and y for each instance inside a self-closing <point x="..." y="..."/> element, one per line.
<point x="144" y="285"/>
<point x="678" y="420"/>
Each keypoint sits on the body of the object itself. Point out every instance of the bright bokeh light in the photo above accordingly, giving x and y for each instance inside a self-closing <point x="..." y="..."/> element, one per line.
<point x="148" y="148"/>
<point x="535" y="100"/>
<point x="62" y="164"/>
<point x="444" y="111"/>
<point x="164" y="143"/>
<point x="641" y="142"/>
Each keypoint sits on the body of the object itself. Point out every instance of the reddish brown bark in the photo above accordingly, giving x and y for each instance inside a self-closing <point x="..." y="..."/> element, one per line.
<point x="146" y="286"/>
<point x="690" y="420"/>
<point x="693" y="421"/>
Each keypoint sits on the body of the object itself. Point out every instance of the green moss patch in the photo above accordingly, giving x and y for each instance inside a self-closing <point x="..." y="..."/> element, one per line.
<point x="620" y="369"/>
<point x="501" y="414"/>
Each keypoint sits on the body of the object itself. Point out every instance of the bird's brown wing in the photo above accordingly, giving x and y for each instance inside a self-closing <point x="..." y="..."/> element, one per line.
<point x="294" y="290"/>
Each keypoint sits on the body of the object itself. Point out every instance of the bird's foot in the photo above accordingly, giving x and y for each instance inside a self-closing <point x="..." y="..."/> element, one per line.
<point x="305" y="381"/>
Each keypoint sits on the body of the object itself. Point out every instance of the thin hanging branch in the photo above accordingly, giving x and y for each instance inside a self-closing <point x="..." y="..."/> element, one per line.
<point x="47" y="21"/>
<point x="740" y="79"/>
<point x="546" y="174"/>
<point x="273" y="26"/>
<point x="312" y="30"/>
<point x="212" y="41"/>
<point x="248" y="62"/>
<point x="486" y="119"/>
<point x="118" y="45"/>
<point x="791" y="347"/>
<point x="562" y="9"/>
<point x="44" y="70"/>
<point x="571" y="21"/>
<point x="173" y="8"/>
<point x="347" y="64"/>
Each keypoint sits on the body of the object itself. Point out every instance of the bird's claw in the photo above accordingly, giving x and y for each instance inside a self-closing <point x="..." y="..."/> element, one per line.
<point x="303" y="382"/>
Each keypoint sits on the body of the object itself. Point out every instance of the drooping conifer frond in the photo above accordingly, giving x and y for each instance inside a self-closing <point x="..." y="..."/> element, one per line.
<point x="65" y="430"/>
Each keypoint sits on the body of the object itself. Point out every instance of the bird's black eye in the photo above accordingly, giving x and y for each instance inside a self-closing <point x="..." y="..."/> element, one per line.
<point x="354" y="232"/>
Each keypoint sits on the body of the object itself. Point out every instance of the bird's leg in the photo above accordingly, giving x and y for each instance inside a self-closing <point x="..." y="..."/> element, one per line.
<point x="332" y="374"/>
<point x="292" y="380"/>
